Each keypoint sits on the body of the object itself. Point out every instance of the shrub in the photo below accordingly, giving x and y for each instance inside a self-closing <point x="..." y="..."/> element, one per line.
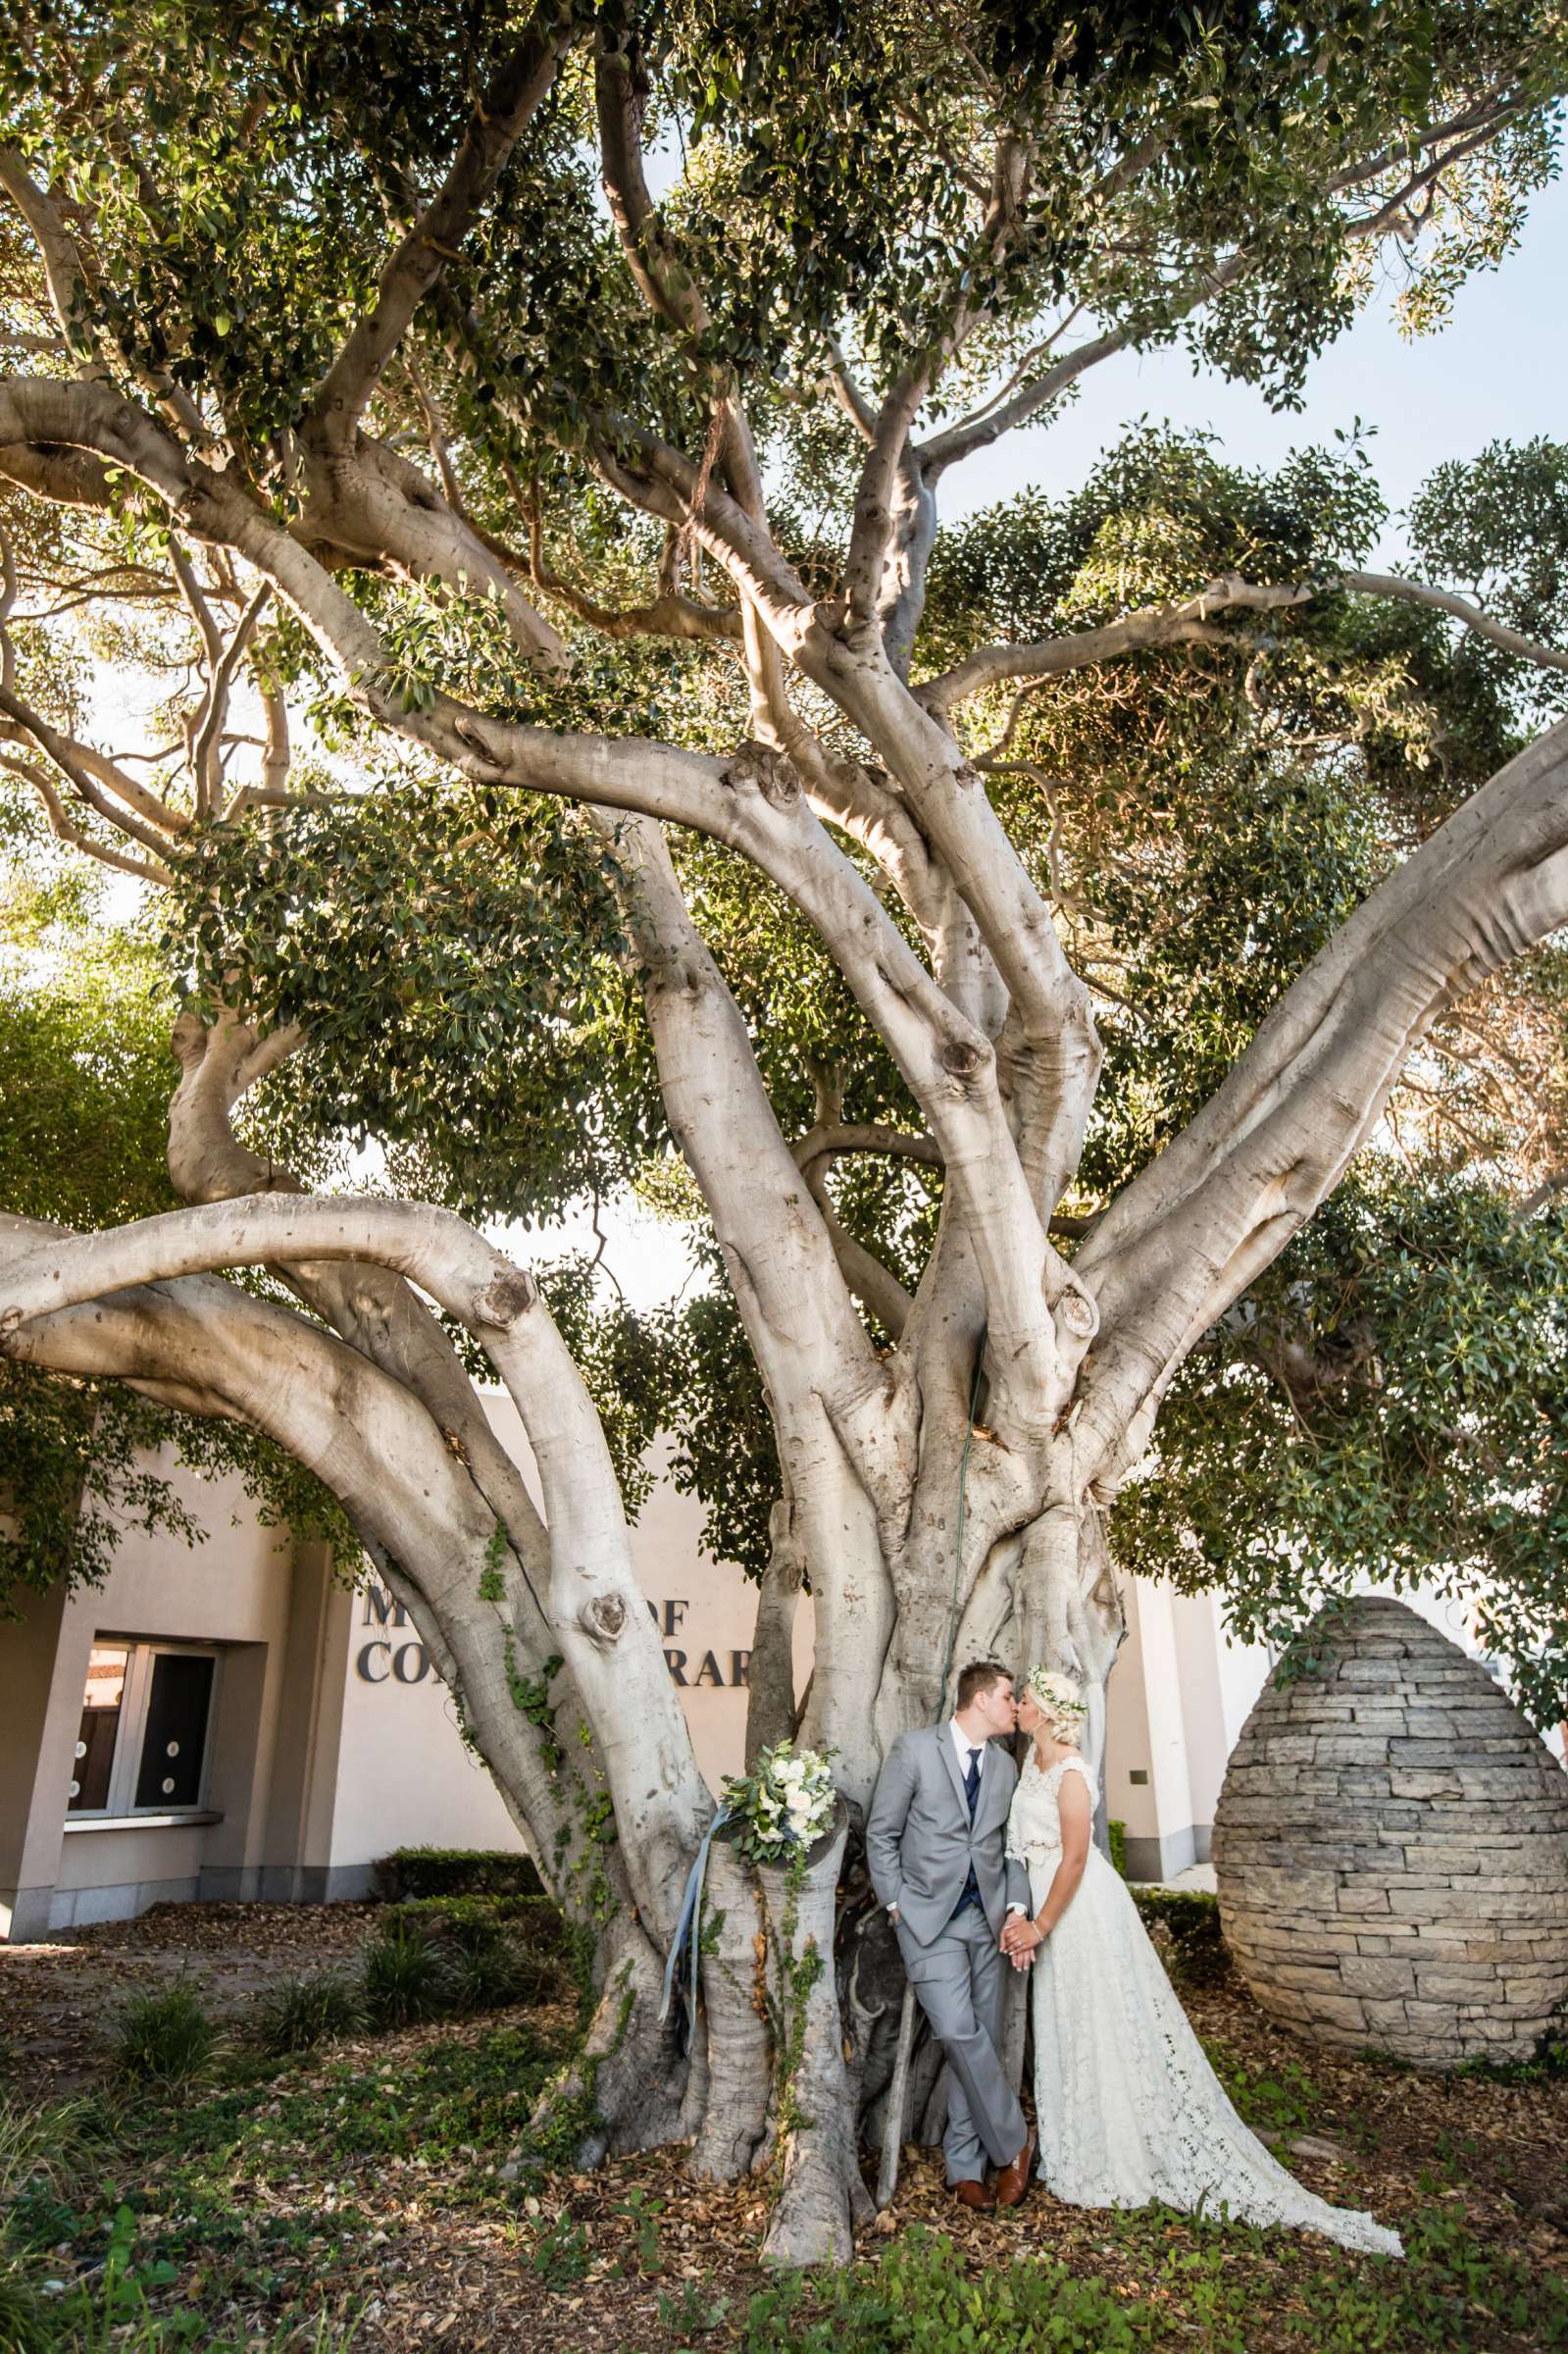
<point x="310" y="2007"/>
<point x="537" y="1919"/>
<point x="502" y="1949"/>
<point x="1197" y="1953"/>
<point x="413" y="1871"/>
<point x="1116" y="1836"/>
<point x="164" y="2038"/>
<point x="405" y="1976"/>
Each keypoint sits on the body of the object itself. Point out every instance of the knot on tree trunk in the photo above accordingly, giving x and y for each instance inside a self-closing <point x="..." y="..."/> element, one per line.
<point x="508" y="1294"/>
<point x="1078" y="1312"/>
<point x="188" y="1040"/>
<point x="603" y="1618"/>
<point x="962" y="1057"/>
<point x="468" y="733"/>
<point x="759" y="767"/>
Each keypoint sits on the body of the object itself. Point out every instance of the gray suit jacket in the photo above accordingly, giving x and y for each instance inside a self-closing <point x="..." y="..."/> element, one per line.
<point x="920" y="1842"/>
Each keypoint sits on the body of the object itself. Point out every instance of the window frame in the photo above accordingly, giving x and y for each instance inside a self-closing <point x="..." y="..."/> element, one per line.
<point x="119" y="1803"/>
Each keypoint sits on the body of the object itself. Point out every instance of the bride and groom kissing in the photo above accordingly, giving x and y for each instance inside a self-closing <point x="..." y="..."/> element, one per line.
<point x="982" y="1867"/>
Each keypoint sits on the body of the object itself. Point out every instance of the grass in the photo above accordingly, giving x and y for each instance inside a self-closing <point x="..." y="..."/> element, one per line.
<point x="1275" y="2099"/>
<point x="50" y="2146"/>
<point x="1197" y="2287"/>
<point x="313" y="2007"/>
<point x="919" y="2295"/>
<point x="24" y="2319"/>
<point x="268" y="2197"/>
<point x="405" y="1976"/>
<point x="164" y="2040"/>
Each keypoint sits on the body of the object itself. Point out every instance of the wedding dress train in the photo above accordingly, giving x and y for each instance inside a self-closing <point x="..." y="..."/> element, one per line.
<point x="1129" y="2109"/>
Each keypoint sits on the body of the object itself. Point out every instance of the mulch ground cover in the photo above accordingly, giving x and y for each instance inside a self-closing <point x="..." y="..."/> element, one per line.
<point x="381" y="2178"/>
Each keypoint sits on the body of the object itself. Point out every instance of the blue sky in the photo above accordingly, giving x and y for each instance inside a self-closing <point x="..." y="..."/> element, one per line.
<point x="1499" y="370"/>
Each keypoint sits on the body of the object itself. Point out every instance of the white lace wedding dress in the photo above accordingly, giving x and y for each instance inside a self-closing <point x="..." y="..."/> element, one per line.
<point x="1129" y="2109"/>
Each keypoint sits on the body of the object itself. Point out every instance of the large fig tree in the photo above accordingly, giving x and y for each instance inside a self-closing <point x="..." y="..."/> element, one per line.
<point x="472" y="555"/>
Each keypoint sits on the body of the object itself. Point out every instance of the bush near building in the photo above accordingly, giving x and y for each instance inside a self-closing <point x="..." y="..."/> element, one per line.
<point x="422" y="1871"/>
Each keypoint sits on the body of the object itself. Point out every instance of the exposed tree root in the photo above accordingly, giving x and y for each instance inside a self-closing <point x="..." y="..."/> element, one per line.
<point x="624" y="2089"/>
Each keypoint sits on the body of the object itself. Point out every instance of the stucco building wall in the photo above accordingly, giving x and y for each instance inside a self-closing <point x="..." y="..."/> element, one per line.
<point x="332" y="1740"/>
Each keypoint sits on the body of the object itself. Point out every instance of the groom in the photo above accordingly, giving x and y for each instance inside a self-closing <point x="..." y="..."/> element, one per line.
<point x="935" y="1840"/>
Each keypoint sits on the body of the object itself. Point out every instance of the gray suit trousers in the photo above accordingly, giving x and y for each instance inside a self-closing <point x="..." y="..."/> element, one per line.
<point x="959" y="1983"/>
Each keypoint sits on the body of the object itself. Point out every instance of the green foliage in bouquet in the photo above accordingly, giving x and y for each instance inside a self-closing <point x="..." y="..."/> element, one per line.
<point x="784" y="1804"/>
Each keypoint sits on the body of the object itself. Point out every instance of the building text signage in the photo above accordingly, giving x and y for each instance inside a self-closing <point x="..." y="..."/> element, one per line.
<point x="383" y="1658"/>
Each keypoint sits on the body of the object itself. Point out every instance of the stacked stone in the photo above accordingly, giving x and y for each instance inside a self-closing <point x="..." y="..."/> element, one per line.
<point x="1390" y="1849"/>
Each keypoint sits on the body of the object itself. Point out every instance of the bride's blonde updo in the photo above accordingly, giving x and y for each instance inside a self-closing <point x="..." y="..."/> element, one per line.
<point x="1060" y="1701"/>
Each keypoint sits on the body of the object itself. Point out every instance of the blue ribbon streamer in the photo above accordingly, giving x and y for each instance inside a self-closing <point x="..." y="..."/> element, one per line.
<point x="688" y="1930"/>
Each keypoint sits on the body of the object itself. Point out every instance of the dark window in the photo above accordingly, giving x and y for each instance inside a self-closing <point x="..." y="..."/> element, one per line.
<point x="175" y="1738"/>
<point x="99" y="1729"/>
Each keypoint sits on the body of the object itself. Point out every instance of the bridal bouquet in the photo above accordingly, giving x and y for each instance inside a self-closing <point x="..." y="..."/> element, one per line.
<point x="785" y="1803"/>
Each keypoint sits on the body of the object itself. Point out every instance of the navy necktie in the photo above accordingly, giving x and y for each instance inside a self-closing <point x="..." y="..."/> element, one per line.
<point x="970" y="1894"/>
<point x="972" y="1781"/>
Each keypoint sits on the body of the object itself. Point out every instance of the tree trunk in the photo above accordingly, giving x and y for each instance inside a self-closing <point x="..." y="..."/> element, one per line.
<point x="624" y="2089"/>
<point x="735" y="2021"/>
<point x="815" y="2129"/>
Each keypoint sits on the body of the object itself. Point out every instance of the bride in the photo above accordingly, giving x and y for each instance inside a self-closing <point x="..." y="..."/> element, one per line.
<point x="1129" y="2109"/>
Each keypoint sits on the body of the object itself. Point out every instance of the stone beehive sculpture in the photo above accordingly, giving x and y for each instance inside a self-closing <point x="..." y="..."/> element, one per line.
<point x="1392" y="1850"/>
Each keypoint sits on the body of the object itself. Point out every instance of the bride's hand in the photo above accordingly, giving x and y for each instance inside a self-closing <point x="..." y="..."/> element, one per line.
<point x="1020" y="1940"/>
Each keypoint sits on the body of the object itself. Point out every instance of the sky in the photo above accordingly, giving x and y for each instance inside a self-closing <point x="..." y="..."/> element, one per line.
<point x="1499" y="370"/>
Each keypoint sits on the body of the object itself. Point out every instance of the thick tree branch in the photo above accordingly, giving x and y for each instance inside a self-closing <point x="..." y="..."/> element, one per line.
<point x="828" y="1139"/>
<point x="874" y="1285"/>
<point x="1185" y="1239"/>
<point x="126" y="862"/>
<point x="416" y="264"/>
<point x="1191" y="623"/>
<point x="63" y="271"/>
<point x="721" y="1115"/>
<point x="1157" y="626"/>
<point x="663" y="279"/>
<point x="1459" y="608"/>
<point x="202" y="1346"/>
<point x="70" y="274"/>
<point x="596" y="1607"/>
<point x="894" y="478"/>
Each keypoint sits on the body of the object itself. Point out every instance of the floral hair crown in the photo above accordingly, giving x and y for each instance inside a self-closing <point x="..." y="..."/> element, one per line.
<point x="1057" y="1693"/>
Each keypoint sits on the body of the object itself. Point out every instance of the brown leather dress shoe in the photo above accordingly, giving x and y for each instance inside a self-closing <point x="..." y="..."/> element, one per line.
<point x="975" y="2194"/>
<point x="1013" y="2180"/>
